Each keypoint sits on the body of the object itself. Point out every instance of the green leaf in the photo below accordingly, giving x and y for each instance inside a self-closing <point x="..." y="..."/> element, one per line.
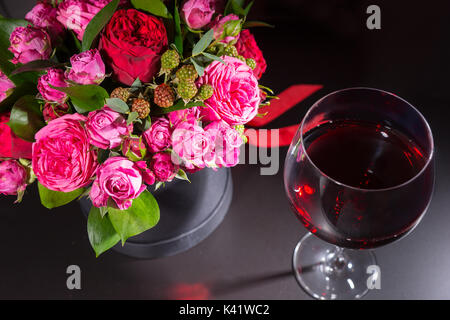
<point x="203" y="43"/>
<point x="97" y="24"/>
<point x="235" y="6"/>
<point x="179" y="105"/>
<point x="213" y="57"/>
<point x="118" y="105"/>
<point x="86" y="98"/>
<point x="132" y="117"/>
<point x="137" y="83"/>
<point x="53" y="199"/>
<point x="156" y="7"/>
<point x="199" y="68"/>
<point x="251" y="24"/>
<point x="26" y="119"/>
<point x="182" y="175"/>
<point x="178" y="39"/>
<point x="37" y="65"/>
<point x="141" y="216"/>
<point x="26" y="88"/>
<point x="247" y="8"/>
<point x="101" y="233"/>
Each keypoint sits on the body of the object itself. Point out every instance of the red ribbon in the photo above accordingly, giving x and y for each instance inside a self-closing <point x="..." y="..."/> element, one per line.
<point x="288" y="99"/>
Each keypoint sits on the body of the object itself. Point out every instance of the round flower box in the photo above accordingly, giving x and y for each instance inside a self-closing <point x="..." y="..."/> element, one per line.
<point x="190" y="212"/>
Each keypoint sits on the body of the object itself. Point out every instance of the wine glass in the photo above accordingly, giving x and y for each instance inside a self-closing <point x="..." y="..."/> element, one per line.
<point x="359" y="174"/>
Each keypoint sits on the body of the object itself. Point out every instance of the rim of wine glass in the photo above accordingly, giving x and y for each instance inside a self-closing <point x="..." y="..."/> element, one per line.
<point x="430" y="135"/>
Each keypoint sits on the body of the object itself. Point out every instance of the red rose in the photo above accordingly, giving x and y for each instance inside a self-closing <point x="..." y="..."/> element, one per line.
<point x="248" y="48"/>
<point x="132" y="44"/>
<point x="11" y="146"/>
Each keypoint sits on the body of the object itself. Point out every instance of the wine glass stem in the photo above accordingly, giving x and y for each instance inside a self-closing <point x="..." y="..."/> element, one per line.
<point x="335" y="262"/>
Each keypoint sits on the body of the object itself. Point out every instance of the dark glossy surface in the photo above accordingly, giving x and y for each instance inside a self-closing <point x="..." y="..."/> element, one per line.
<point x="249" y="255"/>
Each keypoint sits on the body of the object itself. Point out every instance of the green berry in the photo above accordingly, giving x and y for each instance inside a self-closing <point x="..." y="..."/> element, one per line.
<point x="241" y="58"/>
<point x="170" y="60"/>
<point x="206" y="91"/>
<point x="187" y="90"/>
<point x="251" y="63"/>
<point x="187" y="72"/>
<point x="212" y="50"/>
<point x="240" y="128"/>
<point x="231" y="51"/>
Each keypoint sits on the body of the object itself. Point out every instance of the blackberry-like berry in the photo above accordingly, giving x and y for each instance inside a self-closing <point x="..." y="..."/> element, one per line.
<point x="241" y="58"/>
<point x="251" y="63"/>
<point x="120" y="93"/>
<point x="170" y="60"/>
<point x="187" y="90"/>
<point x="205" y="92"/>
<point x="231" y="51"/>
<point x="164" y="96"/>
<point x="187" y="72"/>
<point x="142" y="107"/>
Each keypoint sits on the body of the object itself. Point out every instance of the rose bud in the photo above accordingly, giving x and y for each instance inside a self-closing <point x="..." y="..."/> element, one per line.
<point x="13" y="178"/>
<point x="227" y="29"/>
<point x="198" y="13"/>
<point x="53" y="111"/>
<point x="6" y="86"/>
<point x="43" y="15"/>
<point x="163" y="167"/>
<point x="133" y="148"/>
<point x="87" y="68"/>
<point x="29" y="44"/>
<point x="55" y="78"/>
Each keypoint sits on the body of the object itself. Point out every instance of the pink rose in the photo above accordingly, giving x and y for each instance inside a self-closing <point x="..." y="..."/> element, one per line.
<point x="106" y="128"/>
<point x="190" y="114"/>
<point x="54" y="77"/>
<point x="13" y="178"/>
<point x="63" y="159"/>
<point x="163" y="167"/>
<point x="236" y="95"/>
<point x="119" y="179"/>
<point x="134" y="148"/>
<point x="226" y="29"/>
<point x="29" y="44"/>
<point x="43" y="15"/>
<point x="193" y="145"/>
<point x="87" y="68"/>
<point x="75" y="15"/>
<point x="6" y="86"/>
<point x="53" y="111"/>
<point x="248" y="48"/>
<point x="227" y="142"/>
<point x="158" y="137"/>
<point x="198" y="13"/>
<point x="147" y="175"/>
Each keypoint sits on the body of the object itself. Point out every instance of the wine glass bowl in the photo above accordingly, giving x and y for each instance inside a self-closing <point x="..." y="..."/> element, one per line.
<point x="359" y="173"/>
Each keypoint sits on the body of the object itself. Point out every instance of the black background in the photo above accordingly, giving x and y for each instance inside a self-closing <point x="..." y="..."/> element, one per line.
<point x="249" y="256"/>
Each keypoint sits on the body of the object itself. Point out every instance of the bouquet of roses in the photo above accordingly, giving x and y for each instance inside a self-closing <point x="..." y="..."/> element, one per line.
<point x="116" y="96"/>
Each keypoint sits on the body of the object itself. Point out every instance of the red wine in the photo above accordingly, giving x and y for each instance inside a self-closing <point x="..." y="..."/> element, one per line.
<point x="353" y="190"/>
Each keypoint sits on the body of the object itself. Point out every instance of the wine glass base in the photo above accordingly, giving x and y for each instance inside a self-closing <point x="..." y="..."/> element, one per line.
<point x="327" y="272"/>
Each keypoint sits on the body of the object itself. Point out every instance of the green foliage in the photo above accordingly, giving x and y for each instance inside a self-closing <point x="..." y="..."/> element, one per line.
<point x="97" y="24"/>
<point x="53" y="199"/>
<point x="156" y="7"/>
<point x="26" y="118"/>
<point x="101" y="233"/>
<point x="141" y="216"/>
<point x="86" y="98"/>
